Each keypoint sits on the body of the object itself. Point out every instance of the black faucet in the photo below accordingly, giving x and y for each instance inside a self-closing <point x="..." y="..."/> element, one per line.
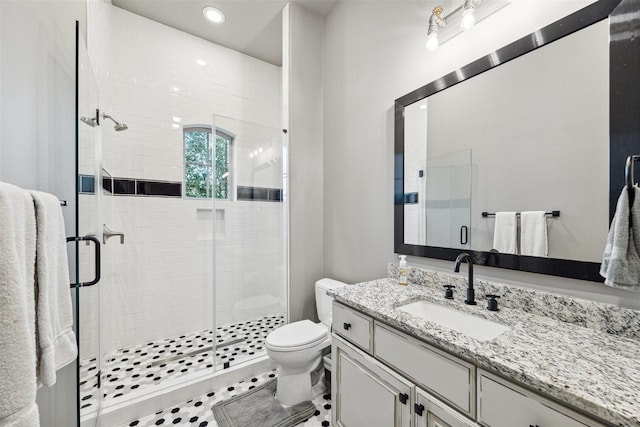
<point x="471" y="293"/>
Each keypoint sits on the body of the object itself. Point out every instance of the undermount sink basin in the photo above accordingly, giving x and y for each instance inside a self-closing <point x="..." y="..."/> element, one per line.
<point x="468" y="324"/>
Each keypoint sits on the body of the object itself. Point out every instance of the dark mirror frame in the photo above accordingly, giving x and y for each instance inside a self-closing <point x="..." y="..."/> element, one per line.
<point x="624" y="131"/>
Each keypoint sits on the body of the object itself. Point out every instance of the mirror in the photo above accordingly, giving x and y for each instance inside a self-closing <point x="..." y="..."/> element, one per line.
<point x="529" y="134"/>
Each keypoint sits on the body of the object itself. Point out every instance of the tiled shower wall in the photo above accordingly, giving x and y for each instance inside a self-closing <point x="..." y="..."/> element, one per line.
<point x="158" y="283"/>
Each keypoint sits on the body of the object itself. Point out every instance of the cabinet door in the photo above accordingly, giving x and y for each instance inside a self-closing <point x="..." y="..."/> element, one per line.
<point x="366" y="393"/>
<point x="431" y="412"/>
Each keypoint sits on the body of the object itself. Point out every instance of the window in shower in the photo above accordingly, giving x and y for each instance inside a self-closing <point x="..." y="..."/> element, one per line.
<point x="200" y="159"/>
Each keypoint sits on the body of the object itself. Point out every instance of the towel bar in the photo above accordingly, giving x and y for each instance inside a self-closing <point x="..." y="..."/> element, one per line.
<point x="553" y="214"/>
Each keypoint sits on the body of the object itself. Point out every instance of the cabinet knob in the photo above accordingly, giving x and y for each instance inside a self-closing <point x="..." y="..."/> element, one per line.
<point x="418" y="409"/>
<point x="403" y="398"/>
<point x="346" y="326"/>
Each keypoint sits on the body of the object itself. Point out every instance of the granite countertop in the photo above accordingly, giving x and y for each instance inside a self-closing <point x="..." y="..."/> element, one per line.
<point x="588" y="369"/>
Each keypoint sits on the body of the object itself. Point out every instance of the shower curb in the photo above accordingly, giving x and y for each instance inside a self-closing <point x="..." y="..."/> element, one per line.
<point x="169" y="395"/>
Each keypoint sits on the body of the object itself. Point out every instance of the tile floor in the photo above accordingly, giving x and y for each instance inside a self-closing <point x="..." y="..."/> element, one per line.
<point x="197" y="411"/>
<point x="130" y="370"/>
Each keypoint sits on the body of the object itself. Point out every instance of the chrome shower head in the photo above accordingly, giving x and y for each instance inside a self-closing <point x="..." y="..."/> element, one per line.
<point x="88" y="121"/>
<point x="119" y="126"/>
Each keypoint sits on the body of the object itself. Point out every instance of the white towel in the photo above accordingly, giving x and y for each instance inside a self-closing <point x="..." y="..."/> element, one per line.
<point x="621" y="260"/>
<point x="54" y="315"/>
<point x="505" y="234"/>
<point x="533" y="234"/>
<point x="17" y="329"/>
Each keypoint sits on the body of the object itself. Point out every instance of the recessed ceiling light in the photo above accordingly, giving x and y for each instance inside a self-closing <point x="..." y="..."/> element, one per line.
<point x="213" y="14"/>
<point x="176" y="119"/>
<point x="201" y="62"/>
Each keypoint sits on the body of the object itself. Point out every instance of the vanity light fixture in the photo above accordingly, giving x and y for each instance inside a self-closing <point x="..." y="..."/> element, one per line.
<point x="468" y="15"/>
<point x="436" y="21"/>
<point x="470" y="12"/>
<point x="213" y="14"/>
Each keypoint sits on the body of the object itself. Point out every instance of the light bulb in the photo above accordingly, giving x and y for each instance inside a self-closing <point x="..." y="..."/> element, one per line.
<point x="468" y="19"/>
<point x="432" y="41"/>
<point x="213" y="14"/>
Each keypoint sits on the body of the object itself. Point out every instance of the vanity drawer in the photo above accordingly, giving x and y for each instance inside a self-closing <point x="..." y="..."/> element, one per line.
<point x="354" y="326"/>
<point x="449" y="378"/>
<point x="504" y="404"/>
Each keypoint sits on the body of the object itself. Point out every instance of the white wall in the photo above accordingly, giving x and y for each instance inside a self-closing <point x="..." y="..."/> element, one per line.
<point x="37" y="113"/>
<point x="373" y="54"/>
<point x="159" y="283"/>
<point x="303" y="118"/>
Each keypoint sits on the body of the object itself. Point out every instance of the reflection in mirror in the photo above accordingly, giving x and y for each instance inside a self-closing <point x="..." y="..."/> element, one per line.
<point x="539" y="130"/>
<point x="448" y="200"/>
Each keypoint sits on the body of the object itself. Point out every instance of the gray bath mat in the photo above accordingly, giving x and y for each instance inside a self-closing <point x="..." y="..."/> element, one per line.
<point x="259" y="407"/>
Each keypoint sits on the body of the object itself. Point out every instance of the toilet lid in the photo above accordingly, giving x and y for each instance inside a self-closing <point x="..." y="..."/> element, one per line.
<point x="297" y="334"/>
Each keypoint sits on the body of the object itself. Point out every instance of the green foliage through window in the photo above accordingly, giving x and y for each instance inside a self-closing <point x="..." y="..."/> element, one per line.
<point x="198" y="164"/>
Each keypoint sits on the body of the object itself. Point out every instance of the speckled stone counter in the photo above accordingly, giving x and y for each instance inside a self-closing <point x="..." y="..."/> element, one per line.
<point x="580" y="352"/>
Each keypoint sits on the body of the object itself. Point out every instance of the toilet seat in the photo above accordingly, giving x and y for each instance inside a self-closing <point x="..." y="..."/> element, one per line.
<point x="296" y="336"/>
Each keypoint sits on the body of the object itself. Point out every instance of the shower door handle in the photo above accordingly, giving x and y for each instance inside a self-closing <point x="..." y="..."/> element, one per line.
<point x="464" y="235"/>
<point x="96" y="243"/>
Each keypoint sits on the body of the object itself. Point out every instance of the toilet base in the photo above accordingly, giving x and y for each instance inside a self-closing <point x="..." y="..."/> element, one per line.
<point x="295" y="388"/>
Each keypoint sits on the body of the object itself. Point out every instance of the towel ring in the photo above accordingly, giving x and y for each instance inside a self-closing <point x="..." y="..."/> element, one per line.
<point x="628" y="176"/>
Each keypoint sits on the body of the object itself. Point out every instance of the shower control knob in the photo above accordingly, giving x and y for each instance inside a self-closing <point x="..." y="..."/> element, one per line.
<point x="346" y="326"/>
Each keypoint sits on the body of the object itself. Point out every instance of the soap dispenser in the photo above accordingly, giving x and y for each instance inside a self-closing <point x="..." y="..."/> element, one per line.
<point x="402" y="270"/>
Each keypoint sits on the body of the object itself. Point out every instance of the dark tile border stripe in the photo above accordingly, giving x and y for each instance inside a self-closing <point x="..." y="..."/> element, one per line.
<point x="149" y="188"/>
<point x="262" y="194"/>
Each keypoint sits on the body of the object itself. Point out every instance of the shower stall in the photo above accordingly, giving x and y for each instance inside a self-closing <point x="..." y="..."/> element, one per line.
<point x="190" y="209"/>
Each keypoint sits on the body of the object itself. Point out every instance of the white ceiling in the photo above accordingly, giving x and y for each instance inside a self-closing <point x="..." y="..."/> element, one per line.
<point x="253" y="27"/>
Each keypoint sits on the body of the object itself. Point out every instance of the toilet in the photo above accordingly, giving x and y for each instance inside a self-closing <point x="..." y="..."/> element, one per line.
<point x="298" y="348"/>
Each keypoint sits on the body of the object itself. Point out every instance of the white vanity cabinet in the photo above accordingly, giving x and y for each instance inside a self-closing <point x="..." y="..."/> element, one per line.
<point x="365" y="393"/>
<point x="382" y="377"/>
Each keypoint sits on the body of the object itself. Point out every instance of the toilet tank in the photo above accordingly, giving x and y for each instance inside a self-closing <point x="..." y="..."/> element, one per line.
<point x="323" y="301"/>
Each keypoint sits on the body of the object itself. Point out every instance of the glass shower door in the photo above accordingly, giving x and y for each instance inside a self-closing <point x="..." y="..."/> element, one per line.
<point x="250" y="233"/>
<point x="87" y="228"/>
